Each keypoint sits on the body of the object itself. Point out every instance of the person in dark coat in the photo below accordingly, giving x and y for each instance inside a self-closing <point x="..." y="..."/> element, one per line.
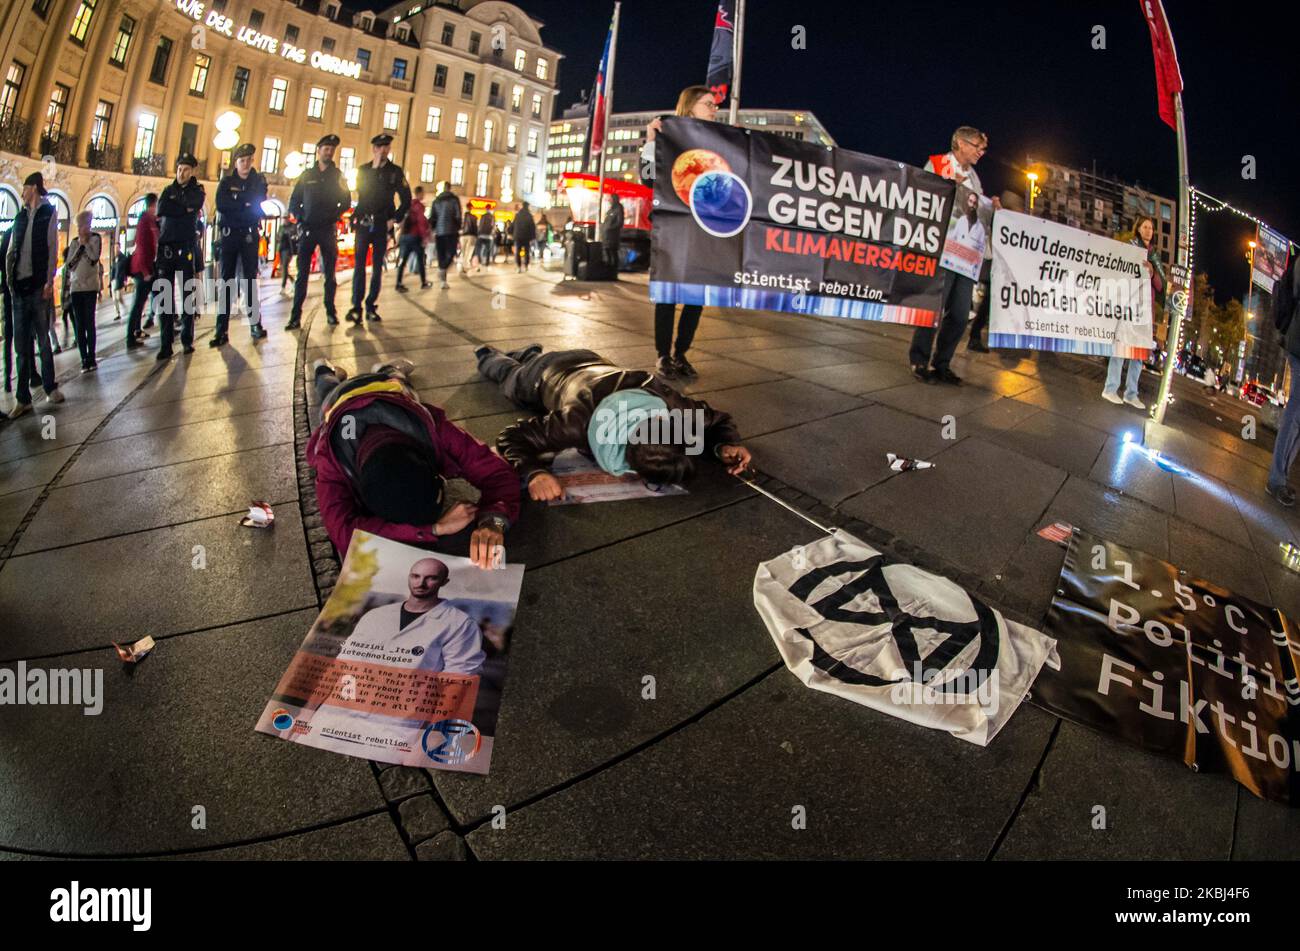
<point x="318" y="201"/>
<point x="175" y="269"/>
<point x="611" y="234"/>
<point x="524" y="233"/>
<point x="239" y="203"/>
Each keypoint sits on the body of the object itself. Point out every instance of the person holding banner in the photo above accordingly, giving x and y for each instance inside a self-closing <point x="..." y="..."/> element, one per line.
<point x="696" y="102"/>
<point x="1143" y="233"/>
<point x="930" y="361"/>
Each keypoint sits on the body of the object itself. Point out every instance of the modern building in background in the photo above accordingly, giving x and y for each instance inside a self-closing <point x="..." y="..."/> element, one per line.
<point x="568" y="136"/>
<point x="104" y="94"/>
<point x="1102" y="204"/>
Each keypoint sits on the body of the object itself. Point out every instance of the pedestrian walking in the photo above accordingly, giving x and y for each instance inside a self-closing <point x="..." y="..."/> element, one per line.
<point x="930" y="360"/>
<point x="696" y="102"/>
<point x="468" y="241"/>
<point x="1143" y="234"/>
<point x="524" y="231"/>
<point x="121" y="274"/>
<point x="179" y="207"/>
<point x="239" y="204"/>
<point x="319" y="199"/>
<point x="83" y="277"/>
<point x="31" y="261"/>
<point x="379" y="183"/>
<point x="143" y="256"/>
<point x="611" y="234"/>
<point x="445" y="222"/>
<point x="288" y="249"/>
<point x="485" y="247"/>
<point x="415" y="235"/>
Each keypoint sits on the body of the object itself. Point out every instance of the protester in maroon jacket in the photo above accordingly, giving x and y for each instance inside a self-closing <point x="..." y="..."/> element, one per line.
<point x="141" y="268"/>
<point x="381" y="456"/>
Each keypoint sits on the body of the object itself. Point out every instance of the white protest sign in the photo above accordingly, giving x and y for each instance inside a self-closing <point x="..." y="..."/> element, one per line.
<point x="1058" y="288"/>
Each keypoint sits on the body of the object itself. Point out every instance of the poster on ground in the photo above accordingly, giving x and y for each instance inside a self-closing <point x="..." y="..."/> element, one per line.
<point x="1176" y="665"/>
<point x="406" y="661"/>
<point x="854" y="622"/>
<point x="968" y="233"/>
<point x="765" y="222"/>
<point x="584" y="481"/>
<point x="1058" y="288"/>
<point x="1270" y="257"/>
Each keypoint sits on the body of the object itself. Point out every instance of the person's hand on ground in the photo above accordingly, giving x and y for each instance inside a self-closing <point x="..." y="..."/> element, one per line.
<point x="456" y="518"/>
<point x="483" y="543"/>
<point x="544" y="487"/>
<point x="735" y="458"/>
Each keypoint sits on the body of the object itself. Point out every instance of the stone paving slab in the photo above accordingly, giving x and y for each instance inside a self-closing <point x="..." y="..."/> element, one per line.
<point x="13" y="508"/>
<point x="133" y="420"/>
<point x="590" y="628"/>
<point x="857" y="379"/>
<point x="767" y="407"/>
<point x="174" y="389"/>
<point x="817" y="459"/>
<point x="1123" y="466"/>
<point x="120" y="589"/>
<point x="1202" y="501"/>
<point x="152" y="498"/>
<point x="934" y="401"/>
<point x="721" y="375"/>
<point x="25" y="438"/>
<point x="1266" y="831"/>
<point x="872" y="787"/>
<point x="787" y="359"/>
<point x="372" y="839"/>
<point x="1155" y="807"/>
<point x="34" y="472"/>
<point x="174" y="732"/>
<point x="1206" y="556"/>
<point x="996" y="417"/>
<point x="974" y="507"/>
<point x="168" y="447"/>
<point x="1057" y="441"/>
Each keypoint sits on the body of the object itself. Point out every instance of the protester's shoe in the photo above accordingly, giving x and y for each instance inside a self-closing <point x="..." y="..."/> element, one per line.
<point x="666" y="367"/>
<point x="354" y="315"/>
<point x="257" y="332"/>
<point x="332" y="319"/>
<point x="134" y="344"/>
<point x="482" y="352"/>
<point x="220" y="340"/>
<point x="977" y="346"/>
<point x="20" y="409"/>
<point x="1111" y="397"/>
<point x="293" y="324"/>
<point x="321" y="364"/>
<point x="921" y="372"/>
<point x="163" y="355"/>
<point x="147" y="323"/>
<point x="1134" y="402"/>
<point x="946" y="376"/>
<point x="187" y="348"/>
<point x="373" y="315"/>
<point x="425" y="285"/>
<point x="57" y="348"/>
<point x="530" y="351"/>
<point x="400" y="287"/>
<point x="117" y="318"/>
<point x="1283" y="494"/>
<point x="55" y="395"/>
<point x="402" y="367"/>
<point x="684" y="367"/>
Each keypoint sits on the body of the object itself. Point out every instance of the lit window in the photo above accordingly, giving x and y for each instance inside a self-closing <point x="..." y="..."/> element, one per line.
<point x="392" y="116"/>
<point x="521" y="60"/>
<point x="537" y="105"/>
<point x="347" y="160"/>
<point x="99" y="131"/>
<point x="122" y="43"/>
<point x="81" y="22"/>
<point x="426" y="168"/>
<point x="481" y="180"/>
<point x="316" y="103"/>
<point x="532" y="141"/>
<point x="352" y="114"/>
<point x="530" y="181"/>
<point x="462" y="126"/>
<point x="433" y="125"/>
<point x="458" y="171"/>
<point x="516" y="98"/>
<point x="507" y="179"/>
<point x="512" y="137"/>
<point x="270" y="155"/>
<point x="199" y="75"/>
<point x="57" y="110"/>
<point x="541" y="68"/>
<point x="488" y="128"/>
<point x="279" y="89"/>
<point x="144" y="134"/>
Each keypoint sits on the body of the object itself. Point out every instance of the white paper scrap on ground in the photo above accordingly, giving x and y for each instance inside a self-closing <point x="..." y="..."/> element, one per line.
<point x="851" y="621"/>
<point x="899" y="464"/>
<point x="259" y="516"/>
<point x="584" y="481"/>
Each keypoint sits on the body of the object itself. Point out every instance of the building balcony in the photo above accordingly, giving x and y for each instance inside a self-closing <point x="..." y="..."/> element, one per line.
<point x="155" y="164"/>
<point x="497" y="102"/>
<point x="62" y="147"/>
<point x="106" y="159"/>
<point x="405" y="85"/>
<point x="15" y="134"/>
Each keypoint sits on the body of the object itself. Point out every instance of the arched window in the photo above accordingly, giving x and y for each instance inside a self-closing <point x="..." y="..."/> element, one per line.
<point x="103" y="213"/>
<point x="8" y="208"/>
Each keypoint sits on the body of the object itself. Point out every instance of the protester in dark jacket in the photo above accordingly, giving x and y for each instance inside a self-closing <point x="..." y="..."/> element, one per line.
<point x="486" y="247"/>
<point x="607" y="412"/>
<point x="524" y="231"/>
<point x="611" y="234"/>
<point x="468" y="241"/>
<point x="381" y="455"/>
<point x="444" y="218"/>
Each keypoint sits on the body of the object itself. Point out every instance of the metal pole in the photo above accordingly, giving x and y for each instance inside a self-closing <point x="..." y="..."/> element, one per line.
<point x="737" y="46"/>
<point x="609" y="98"/>
<point x="1182" y="255"/>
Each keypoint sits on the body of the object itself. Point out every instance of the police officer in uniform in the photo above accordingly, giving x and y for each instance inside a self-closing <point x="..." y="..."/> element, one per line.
<point x="319" y="199"/>
<point x="179" y="207"/>
<point x="239" y="203"/>
<point x="378" y="183"/>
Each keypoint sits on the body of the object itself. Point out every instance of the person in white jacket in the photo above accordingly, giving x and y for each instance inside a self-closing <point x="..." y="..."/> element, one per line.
<point x="423" y="632"/>
<point x="83" y="277"/>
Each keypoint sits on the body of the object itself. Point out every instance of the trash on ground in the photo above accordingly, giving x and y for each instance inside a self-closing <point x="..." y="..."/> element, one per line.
<point x="136" y="652"/>
<point x="259" y="516"/>
<point x="899" y="464"/>
<point x="1058" y="532"/>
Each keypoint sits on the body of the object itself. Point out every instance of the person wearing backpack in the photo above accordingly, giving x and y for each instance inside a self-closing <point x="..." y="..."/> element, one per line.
<point x="1285" y="294"/>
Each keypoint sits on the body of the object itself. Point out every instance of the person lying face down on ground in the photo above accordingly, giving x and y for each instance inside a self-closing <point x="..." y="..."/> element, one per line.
<point x="626" y="420"/>
<point x="381" y="457"/>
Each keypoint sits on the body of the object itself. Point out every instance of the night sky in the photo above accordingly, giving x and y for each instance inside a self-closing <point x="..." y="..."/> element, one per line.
<point x="894" y="80"/>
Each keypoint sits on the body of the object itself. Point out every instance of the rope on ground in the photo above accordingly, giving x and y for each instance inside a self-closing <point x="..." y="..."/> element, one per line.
<point x="747" y="477"/>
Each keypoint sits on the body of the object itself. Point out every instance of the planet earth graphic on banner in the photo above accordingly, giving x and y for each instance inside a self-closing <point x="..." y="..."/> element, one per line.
<point x="690" y="165"/>
<point x="721" y="202"/>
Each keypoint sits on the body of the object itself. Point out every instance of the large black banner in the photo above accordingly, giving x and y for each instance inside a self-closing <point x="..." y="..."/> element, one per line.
<point x="766" y="222"/>
<point x="1175" y="665"/>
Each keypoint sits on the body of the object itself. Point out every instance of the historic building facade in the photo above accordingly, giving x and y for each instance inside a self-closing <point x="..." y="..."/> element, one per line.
<point x="104" y="94"/>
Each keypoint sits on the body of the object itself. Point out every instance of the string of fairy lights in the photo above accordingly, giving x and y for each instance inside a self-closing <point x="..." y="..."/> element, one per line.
<point x="1211" y="205"/>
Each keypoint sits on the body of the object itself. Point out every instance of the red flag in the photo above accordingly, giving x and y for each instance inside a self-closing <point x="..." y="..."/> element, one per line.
<point x="596" y="136"/>
<point x="1169" y="79"/>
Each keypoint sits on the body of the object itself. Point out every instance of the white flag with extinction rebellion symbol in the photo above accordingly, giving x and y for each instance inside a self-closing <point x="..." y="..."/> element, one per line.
<point x="851" y="621"/>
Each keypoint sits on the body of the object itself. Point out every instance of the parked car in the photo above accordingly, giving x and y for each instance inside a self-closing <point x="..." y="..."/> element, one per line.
<point x="1257" y="394"/>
